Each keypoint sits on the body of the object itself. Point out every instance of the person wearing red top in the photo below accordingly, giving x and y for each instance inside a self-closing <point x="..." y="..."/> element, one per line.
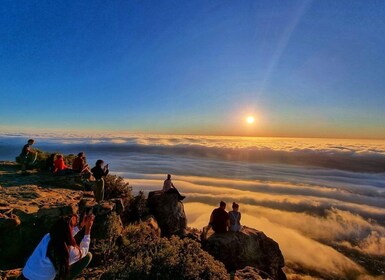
<point x="79" y="165"/>
<point x="60" y="168"/>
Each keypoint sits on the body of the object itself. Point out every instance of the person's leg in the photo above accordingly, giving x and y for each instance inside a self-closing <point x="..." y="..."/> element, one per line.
<point x="99" y="190"/>
<point x="32" y="157"/>
<point x="181" y="197"/>
<point x="102" y="189"/>
<point x="78" y="267"/>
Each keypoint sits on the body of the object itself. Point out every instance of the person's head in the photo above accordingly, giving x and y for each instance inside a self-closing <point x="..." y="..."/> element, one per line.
<point x="222" y="204"/>
<point x="99" y="162"/>
<point x="52" y="155"/>
<point x="235" y="206"/>
<point x="81" y="154"/>
<point x="31" y="141"/>
<point x="60" y="240"/>
<point x="168" y="176"/>
<point x="59" y="156"/>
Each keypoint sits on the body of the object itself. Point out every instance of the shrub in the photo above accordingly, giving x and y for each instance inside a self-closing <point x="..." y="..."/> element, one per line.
<point x="137" y="208"/>
<point x="144" y="256"/>
<point x="117" y="187"/>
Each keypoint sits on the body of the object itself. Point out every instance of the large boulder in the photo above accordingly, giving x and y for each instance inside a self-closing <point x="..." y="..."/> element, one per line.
<point x="169" y="213"/>
<point x="26" y="214"/>
<point x="249" y="247"/>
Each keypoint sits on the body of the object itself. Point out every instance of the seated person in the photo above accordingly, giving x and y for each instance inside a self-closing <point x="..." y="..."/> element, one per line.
<point x="60" y="168"/>
<point x="168" y="187"/>
<point x="219" y="219"/>
<point x="27" y="156"/>
<point x="235" y="218"/>
<point x="57" y="254"/>
<point x="49" y="162"/>
<point x="79" y="165"/>
<point x="99" y="171"/>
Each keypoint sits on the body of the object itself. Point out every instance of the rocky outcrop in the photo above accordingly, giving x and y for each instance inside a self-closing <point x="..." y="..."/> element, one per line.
<point x="12" y="274"/>
<point x="169" y="212"/>
<point x="26" y="214"/>
<point x="249" y="247"/>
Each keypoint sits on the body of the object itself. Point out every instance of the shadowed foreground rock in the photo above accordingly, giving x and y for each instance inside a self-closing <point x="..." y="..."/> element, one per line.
<point x="249" y="247"/>
<point x="26" y="214"/>
<point x="169" y="213"/>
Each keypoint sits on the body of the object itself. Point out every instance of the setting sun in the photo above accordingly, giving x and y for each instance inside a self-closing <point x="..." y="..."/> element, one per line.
<point x="250" y="119"/>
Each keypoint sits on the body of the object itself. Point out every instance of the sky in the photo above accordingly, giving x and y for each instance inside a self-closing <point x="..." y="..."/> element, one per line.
<point x="301" y="68"/>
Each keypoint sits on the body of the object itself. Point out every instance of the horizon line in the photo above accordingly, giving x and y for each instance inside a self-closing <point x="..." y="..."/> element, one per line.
<point x="83" y="132"/>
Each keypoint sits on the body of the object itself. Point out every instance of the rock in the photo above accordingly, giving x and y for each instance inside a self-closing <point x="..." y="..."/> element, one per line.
<point x="27" y="215"/>
<point x="249" y="247"/>
<point x="105" y="232"/>
<point x="169" y="213"/>
<point x="251" y="273"/>
<point x="12" y="274"/>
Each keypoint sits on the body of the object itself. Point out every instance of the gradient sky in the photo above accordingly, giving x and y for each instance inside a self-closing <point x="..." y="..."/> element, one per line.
<point x="303" y="68"/>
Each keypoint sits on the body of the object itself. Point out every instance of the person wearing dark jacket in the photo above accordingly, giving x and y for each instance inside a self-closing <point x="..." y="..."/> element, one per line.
<point x="27" y="156"/>
<point x="99" y="172"/>
<point x="219" y="219"/>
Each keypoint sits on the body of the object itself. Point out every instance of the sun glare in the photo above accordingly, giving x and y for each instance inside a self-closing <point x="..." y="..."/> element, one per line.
<point x="250" y="119"/>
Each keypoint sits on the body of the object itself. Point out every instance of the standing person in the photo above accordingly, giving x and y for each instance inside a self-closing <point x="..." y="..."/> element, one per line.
<point x="219" y="219"/>
<point x="27" y="156"/>
<point x="80" y="165"/>
<point x="235" y="218"/>
<point x="99" y="172"/>
<point x="168" y="187"/>
<point x="60" y="168"/>
<point x="58" y="254"/>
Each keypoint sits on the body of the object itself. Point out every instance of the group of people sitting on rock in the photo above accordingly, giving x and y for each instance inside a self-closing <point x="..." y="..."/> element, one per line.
<point x="222" y="221"/>
<point x="58" y="254"/>
<point x="55" y="163"/>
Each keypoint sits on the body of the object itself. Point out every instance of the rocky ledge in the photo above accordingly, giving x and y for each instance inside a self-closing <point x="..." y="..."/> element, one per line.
<point x="249" y="247"/>
<point x="27" y="212"/>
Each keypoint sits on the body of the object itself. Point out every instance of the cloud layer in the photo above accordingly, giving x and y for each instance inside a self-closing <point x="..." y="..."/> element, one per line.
<point x="311" y="196"/>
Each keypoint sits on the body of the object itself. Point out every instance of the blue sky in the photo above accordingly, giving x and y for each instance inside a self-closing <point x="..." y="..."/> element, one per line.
<point x="302" y="68"/>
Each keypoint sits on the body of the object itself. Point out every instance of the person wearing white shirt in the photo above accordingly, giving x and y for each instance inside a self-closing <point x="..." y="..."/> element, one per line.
<point x="168" y="187"/>
<point x="57" y="254"/>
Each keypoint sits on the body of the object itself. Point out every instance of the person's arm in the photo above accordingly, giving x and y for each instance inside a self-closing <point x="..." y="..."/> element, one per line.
<point x="211" y="219"/>
<point x="75" y="230"/>
<point x="106" y="171"/>
<point x="75" y="253"/>
<point x="172" y="185"/>
<point x="240" y="217"/>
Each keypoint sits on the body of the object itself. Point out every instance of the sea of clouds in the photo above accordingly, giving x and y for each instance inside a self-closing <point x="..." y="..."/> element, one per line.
<point x="312" y="196"/>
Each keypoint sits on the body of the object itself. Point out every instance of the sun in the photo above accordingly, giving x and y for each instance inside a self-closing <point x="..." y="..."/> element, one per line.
<point x="250" y="119"/>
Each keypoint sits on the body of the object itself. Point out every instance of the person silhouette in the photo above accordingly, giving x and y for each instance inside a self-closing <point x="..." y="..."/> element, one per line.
<point x="168" y="187"/>
<point x="219" y="219"/>
<point x="235" y="218"/>
<point x="99" y="171"/>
